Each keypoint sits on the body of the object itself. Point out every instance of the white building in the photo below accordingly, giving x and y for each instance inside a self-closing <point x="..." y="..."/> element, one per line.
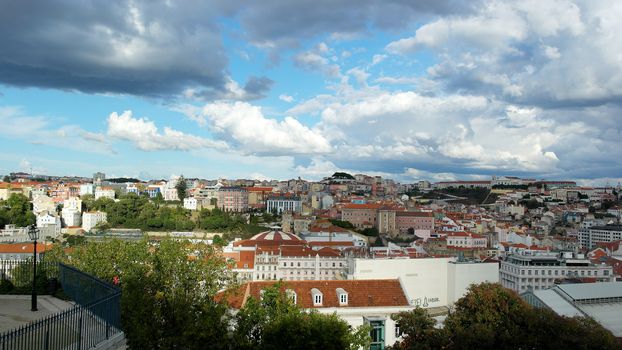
<point x="466" y="240"/>
<point x="190" y="203"/>
<point x="42" y="204"/>
<point x="14" y="234"/>
<point x="276" y="255"/>
<point x="73" y="203"/>
<point x="104" y="192"/>
<point x="71" y="217"/>
<point x="170" y="194"/>
<point x="91" y="219"/>
<point x="428" y="282"/>
<point x="87" y="189"/>
<point x="281" y="204"/>
<point x="589" y="236"/>
<point x="539" y="270"/>
<point x="49" y="225"/>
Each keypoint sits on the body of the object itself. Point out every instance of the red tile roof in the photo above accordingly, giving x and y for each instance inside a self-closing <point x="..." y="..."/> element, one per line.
<point x="361" y="293"/>
<point x="23" y="248"/>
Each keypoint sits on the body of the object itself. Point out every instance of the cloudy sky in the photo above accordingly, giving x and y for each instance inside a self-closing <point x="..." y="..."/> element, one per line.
<point x="411" y="90"/>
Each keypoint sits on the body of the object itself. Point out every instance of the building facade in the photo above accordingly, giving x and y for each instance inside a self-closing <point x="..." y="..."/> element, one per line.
<point x="589" y="237"/>
<point x="540" y="270"/>
<point x="233" y="199"/>
<point x="280" y="204"/>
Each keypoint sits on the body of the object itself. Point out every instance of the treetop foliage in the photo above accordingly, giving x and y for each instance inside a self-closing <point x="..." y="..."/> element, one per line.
<point x="492" y="317"/>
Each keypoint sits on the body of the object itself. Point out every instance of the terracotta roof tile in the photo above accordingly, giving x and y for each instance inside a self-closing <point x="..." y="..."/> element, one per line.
<point x="361" y="293"/>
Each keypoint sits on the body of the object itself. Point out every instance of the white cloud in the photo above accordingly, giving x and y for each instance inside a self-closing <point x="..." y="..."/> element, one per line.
<point x="316" y="60"/>
<point x="146" y="136"/>
<point x="245" y="125"/>
<point x="377" y="59"/>
<point x="286" y="98"/>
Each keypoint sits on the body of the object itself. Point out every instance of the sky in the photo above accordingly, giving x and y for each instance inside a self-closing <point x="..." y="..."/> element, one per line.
<point x="410" y="90"/>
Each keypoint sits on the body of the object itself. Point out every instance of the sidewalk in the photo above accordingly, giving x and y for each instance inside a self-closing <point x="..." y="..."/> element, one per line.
<point x="15" y="309"/>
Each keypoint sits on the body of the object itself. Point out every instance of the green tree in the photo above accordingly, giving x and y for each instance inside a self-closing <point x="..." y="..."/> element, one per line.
<point x="16" y="210"/>
<point x="418" y="331"/>
<point x="6" y="178"/>
<point x="492" y="317"/>
<point x="182" y="188"/>
<point x="168" y="290"/>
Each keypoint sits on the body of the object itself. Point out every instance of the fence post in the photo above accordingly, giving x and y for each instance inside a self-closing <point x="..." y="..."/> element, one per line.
<point x="80" y="331"/>
<point x="47" y="336"/>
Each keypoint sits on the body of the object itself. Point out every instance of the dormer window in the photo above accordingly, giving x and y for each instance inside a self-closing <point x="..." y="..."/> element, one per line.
<point x="342" y="295"/>
<point x="317" y="297"/>
<point x="291" y="295"/>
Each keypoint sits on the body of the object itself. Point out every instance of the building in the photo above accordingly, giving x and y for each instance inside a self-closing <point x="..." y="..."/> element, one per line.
<point x="49" y="225"/>
<point x="71" y="217"/>
<point x="91" y="219"/>
<point x="170" y="194"/>
<point x="73" y="203"/>
<point x="590" y="236"/>
<point x="414" y="222"/>
<point x="357" y="302"/>
<point x="104" y="192"/>
<point x="541" y="270"/>
<point x="280" y="204"/>
<point x="324" y="234"/>
<point x="427" y="282"/>
<point x="190" y="203"/>
<point x="276" y="255"/>
<point x="42" y="204"/>
<point x="257" y="196"/>
<point x="99" y="177"/>
<point x="360" y="215"/>
<point x="233" y="199"/>
<point x="21" y="251"/>
<point x="87" y="189"/>
<point x="599" y="301"/>
<point x="466" y="240"/>
<point x="13" y="234"/>
<point x="462" y="184"/>
<point x="153" y="191"/>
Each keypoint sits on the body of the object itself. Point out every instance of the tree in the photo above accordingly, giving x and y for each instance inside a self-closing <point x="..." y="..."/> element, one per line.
<point x="492" y="317"/>
<point x="418" y="331"/>
<point x="168" y="290"/>
<point x="16" y="210"/>
<point x="6" y="178"/>
<point x="181" y="188"/>
<point x="342" y="175"/>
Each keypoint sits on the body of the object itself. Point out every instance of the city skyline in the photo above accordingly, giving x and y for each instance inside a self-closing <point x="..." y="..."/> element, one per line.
<point x="438" y="91"/>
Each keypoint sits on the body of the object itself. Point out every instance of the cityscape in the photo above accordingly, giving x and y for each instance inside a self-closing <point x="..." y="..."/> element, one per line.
<point x="310" y="175"/>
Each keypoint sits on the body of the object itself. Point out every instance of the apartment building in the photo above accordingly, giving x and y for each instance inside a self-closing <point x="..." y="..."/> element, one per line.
<point x="233" y="199"/>
<point x="590" y="236"/>
<point x="540" y="270"/>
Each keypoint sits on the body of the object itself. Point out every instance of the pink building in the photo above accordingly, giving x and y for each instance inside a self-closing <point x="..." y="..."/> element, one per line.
<point x="233" y="199"/>
<point x="408" y="222"/>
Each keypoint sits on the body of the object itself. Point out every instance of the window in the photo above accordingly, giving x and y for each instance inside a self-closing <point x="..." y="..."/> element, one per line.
<point x="398" y="332"/>
<point x="291" y="295"/>
<point x="317" y="296"/>
<point x="342" y="295"/>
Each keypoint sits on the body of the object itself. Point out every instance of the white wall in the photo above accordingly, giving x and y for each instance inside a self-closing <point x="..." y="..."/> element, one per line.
<point x="422" y="279"/>
<point x="461" y="275"/>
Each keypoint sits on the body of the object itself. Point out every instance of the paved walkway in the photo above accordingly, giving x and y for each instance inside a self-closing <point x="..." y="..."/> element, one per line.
<point x="15" y="309"/>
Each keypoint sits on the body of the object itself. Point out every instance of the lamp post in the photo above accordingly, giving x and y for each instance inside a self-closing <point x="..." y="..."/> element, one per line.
<point x="33" y="234"/>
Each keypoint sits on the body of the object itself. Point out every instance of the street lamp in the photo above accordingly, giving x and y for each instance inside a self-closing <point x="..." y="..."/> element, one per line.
<point x="33" y="234"/>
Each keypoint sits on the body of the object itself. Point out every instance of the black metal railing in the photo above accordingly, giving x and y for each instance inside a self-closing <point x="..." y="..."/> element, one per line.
<point x="95" y="318"/>
<point x="19" y="272"/>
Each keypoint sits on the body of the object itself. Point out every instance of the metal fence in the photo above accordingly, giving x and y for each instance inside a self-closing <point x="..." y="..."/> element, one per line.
<point x="94" y="319"/>
<point x="87" y="290"/>
<point x="19" y="272"/>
